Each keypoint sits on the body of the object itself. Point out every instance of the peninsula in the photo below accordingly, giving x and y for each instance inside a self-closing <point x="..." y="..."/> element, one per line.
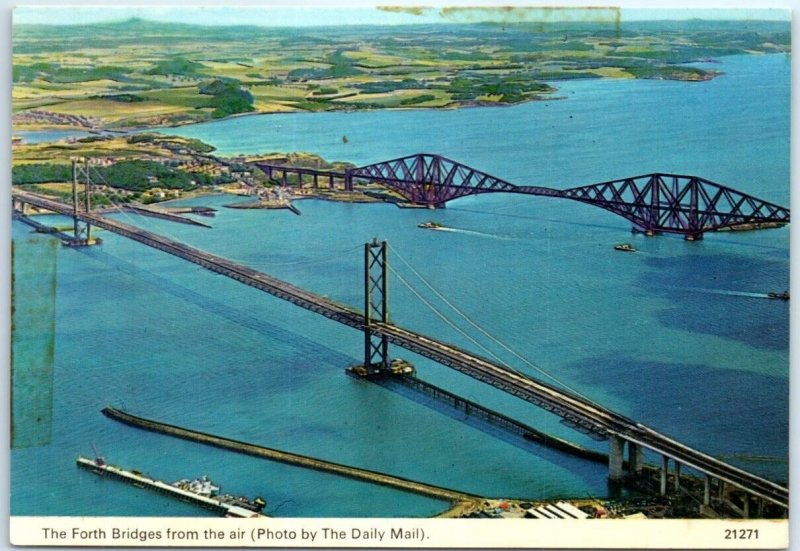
<point x="139" y="73"/>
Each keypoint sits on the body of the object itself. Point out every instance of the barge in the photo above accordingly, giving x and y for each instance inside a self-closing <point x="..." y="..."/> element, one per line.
<point x="200" y="491"/>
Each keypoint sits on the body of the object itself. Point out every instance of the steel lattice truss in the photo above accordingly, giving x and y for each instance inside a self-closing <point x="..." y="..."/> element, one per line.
<point x="686" y="205"/>
<point x="679" y="204"/>
<point x="433" y="180"/>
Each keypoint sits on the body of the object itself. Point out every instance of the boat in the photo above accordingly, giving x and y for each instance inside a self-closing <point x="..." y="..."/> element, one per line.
<point x="430" y="225"/>
<point x="781" y="296"/>
<point x="200" y="491"/>
<point x="626" y="247"/>
<point x="204" y="487"/>
<point x="397" y="366"/>
<point x="201" y="486"/>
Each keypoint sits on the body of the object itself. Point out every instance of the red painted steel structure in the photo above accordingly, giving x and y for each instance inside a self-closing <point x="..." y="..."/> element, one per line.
<point x="654" y="203"/>
<point x="433" y="180"/>
<point x="675" y="203"/>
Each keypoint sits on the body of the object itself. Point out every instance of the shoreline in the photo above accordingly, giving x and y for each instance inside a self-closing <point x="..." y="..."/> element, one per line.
<point x="471" y="104"/>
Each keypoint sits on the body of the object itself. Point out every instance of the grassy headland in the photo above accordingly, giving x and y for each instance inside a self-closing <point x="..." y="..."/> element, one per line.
<point x="150" y="167"/>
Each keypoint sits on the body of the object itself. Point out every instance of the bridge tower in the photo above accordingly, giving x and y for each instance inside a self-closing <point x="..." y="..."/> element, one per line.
<point x="82" y="231"/>
<point x="376" y="308"/>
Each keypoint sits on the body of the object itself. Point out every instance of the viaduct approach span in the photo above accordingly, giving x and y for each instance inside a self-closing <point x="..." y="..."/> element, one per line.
<point x="654" y="203"/>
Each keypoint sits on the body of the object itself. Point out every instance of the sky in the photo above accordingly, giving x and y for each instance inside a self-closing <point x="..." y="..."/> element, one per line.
<point x="358" y="12"/>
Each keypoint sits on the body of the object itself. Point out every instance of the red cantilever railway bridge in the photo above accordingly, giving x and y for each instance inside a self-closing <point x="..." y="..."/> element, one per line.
<point x="672" y="203"/>
<point x="580" y="411"/>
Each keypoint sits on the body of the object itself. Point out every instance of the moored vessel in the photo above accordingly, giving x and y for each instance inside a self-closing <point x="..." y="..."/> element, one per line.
<point x="200" y="491"/>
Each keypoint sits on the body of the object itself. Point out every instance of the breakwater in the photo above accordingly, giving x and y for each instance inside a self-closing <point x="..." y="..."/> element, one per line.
<point x="272" y="454"/>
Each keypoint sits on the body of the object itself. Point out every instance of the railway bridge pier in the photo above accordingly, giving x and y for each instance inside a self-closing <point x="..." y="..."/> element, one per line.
<point x="654" y="203"/>
<point x="329" y="178"/>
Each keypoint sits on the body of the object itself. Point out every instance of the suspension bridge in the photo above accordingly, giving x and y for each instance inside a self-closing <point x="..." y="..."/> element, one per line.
<point x="379" y="332"/>
<point x="654" y="203"/>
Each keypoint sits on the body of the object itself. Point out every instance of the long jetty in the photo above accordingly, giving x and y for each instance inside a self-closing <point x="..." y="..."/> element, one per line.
<point x="357" y="473"/>
<point x="138" y="479"/>
<point x="584" y="413"/>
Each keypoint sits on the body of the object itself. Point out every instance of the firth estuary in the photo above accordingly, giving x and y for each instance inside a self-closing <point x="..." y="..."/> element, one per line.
<point x="679" y="336"/>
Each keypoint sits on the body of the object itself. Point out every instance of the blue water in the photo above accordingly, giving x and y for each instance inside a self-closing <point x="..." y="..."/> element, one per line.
<point x="40" y="136"/>
<point x="670" y="336"/>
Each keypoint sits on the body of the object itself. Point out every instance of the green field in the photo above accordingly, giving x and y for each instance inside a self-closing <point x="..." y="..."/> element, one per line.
<point x="142" y="73"/>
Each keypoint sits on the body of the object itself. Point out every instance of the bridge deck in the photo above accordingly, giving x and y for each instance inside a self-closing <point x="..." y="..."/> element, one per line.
<point x="656" y="202"/>
<point x="588" y="414"/>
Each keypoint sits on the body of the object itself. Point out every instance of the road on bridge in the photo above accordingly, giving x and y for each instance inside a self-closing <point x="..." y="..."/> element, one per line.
<point x="588" y="414"/>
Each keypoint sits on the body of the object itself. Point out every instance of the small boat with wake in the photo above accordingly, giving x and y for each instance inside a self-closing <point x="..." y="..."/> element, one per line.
<point x="625" y="247"/>
<point x="430" y="225"/>
<point x="780" y="296"/>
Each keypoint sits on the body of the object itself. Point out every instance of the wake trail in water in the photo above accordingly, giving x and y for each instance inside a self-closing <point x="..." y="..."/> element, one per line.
<point x="724" y="292"/>
<point x="476" y="233"/>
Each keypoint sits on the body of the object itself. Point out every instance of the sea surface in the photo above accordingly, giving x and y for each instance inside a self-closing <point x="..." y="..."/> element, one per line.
<point x="678" y="336"/>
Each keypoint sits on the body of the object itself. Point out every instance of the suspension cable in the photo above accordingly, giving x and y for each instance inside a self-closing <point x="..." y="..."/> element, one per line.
<point x="486" y="333"/>
<point x="446" y="319"/>
<point x="119" y="208"/>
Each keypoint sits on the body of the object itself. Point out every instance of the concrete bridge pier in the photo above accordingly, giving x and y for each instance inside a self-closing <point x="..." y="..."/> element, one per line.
<point x="635" y="459"/>
<point x="664" y="469"/>
<point x="707" y="491"/>
<point x="21" y="206"/>
<point x="616" y="447"/>
<point x="616" y="459"/>
<point x="649" y="232"/>
<point x="677" y="476"/>
<point x="693" y="236"/>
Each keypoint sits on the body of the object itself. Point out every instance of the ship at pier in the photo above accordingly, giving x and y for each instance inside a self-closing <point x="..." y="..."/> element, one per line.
<point x="199" y="491"/>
